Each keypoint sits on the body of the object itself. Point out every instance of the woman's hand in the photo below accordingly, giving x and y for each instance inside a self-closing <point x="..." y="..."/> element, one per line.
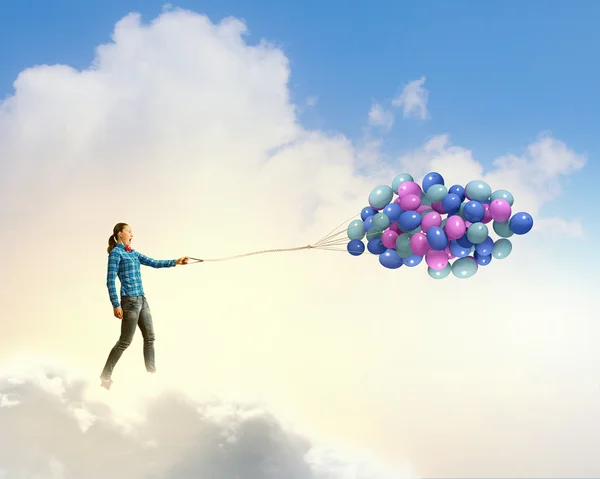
<point x="118" y="311"/>
<point x="183" y="260"/>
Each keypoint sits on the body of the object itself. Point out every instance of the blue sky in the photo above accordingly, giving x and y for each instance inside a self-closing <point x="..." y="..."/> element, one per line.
<point x="498" y="73"/>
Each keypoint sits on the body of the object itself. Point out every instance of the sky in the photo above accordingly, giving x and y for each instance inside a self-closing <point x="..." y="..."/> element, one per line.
<point x="219" y="128"/>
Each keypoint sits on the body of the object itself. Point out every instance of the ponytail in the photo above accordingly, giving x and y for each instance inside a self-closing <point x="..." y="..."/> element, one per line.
<point x="111" y="243"/>
<point x="112" y="240"/>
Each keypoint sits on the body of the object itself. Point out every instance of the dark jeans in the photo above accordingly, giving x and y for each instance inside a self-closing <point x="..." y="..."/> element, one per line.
<point x="136" y="312"/>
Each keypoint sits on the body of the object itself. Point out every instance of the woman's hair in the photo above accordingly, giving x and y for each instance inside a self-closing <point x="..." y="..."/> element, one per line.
<point x="112" y="242"/>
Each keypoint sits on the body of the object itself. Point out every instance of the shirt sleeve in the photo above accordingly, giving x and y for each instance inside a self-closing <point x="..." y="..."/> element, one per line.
<point x="156" y="263"/>
<point x="111" y="276"/>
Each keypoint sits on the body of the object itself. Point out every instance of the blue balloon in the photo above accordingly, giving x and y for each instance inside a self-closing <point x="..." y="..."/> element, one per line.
<point x="458" y="250"/>
<point x="368" y="222"/>
<point x="356" y="247"/>
<point x="486" y="247"/>
<point x="464" y="241"/>
<point x="481" y="259"/>
<point x="366" y="212"/>
<point x="458" y="191"/>
<point x="431" y="179"/>
<point x="436" y="237"/>
<point x="390" y="259"/>
<point x="474" y="211"/>
<point x="375" y="246"/>
<point x="521" y="223"/>
<point x="451" y="203"/>
<point x="413" y="260"/>
<point x="393" y="211"/>
<point x="409" y="220"/>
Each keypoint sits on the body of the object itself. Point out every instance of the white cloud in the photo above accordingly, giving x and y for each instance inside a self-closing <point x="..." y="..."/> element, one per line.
<point x="534" y="178"/>
<point x="413" y="99"/>
<point x="188" y="133"/>
<point x="378" y="116"/>
<point x="312" y="100"/>
<point x="175" y="436"/>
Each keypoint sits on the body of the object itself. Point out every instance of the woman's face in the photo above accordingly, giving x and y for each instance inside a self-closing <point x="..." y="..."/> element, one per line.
<point x="125" y="235"/>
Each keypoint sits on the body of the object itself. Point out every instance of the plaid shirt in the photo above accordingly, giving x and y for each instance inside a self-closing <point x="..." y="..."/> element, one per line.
<point x="126" y="265"/>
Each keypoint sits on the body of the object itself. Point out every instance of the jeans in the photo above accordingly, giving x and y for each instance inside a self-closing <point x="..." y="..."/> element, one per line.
<point x="136" y="312"/>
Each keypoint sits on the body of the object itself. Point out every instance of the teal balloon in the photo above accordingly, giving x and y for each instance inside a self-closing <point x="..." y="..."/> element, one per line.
<point x="401" y="178"/>
<point x="461" y="211"/>
<point x="415" y="231"/>
<point x="439" y="274"/>
<point x="381" y="221"/>
<point x="464" y="268"/>
<point x="356" y="230"/>
<point x="429" y="210"/>
<point x="403" y="245"/>
<point x="436" y="193"/>
<point x="380" y="197"/>
<point x="425" y="201"/>
<point x="478" y="190"/>
<point x="443" y="225"/>
<point x="374" y="233"/>
<point x="502" y="248"/>
<point x="477" y="233"/>
<point x="502" y="229"/>
<point x="504" y="195"/>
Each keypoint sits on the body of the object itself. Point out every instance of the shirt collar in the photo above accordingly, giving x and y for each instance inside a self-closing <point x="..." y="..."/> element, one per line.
<point x="122" y="246"/>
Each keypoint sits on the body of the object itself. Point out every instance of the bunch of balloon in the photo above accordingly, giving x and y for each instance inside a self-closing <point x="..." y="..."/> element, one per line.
<point x="448" y="227"/>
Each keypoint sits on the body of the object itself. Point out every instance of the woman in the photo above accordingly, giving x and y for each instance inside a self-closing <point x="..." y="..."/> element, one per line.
<point x="133" y="311"/>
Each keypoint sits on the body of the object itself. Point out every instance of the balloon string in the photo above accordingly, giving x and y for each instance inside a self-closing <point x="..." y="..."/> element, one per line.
<point x="330" y="242"/>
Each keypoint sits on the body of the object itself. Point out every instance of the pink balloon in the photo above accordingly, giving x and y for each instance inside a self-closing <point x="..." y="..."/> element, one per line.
<point x="500" y="210"/>
<point x="422" y="208"/>
<point x="395" y="228"/>
<point x="419" y="244"/>
<point x="397" y="201"/>
<point x="487" y="215"/>
<point x="410" y="202"/>
<point x="409" y="188"/>
<point x="436" y="260"/>
<point x="389" y="238"/>
<point x="438" y="207"/>
<point x="449" y="253"/>
<point x="468" y="223"/>
<point x="455" y="227"/>
<point x="430" y="219"/>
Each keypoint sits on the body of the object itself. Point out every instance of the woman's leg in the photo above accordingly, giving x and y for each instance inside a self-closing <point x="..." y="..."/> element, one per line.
<point x="131" y="312"/>
<point x="147" y="329"/>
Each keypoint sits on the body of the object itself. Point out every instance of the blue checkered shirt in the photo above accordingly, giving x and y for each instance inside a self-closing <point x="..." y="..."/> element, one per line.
<point x="126" y="265"/>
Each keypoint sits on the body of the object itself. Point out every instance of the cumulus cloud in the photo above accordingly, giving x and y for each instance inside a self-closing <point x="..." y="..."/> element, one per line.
<point x="534" y="177"/>
<point x="186" y="131"/>
<point x="64" y="432"/>
<point x="413" y="99"/>
<point x="378" y="116"/>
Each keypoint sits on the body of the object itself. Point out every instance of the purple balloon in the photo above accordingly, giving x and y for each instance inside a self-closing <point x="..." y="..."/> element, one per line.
<point x="395" y="228"/>
<point x="389" y="238"/>
<point x="410" y="202"/>
<point x="409" y="188"/>
<point x="455" y="227"/>
<point x="449" y="253"/>
<point x="487" y="214"/>
<point x="500" y="210"/>
<point x="430" y="219"/>
<point x="438" y="207"/>
<point x="419" y="244"/>
<point x="436" y="260"/>
<point x="422" y="208"/>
